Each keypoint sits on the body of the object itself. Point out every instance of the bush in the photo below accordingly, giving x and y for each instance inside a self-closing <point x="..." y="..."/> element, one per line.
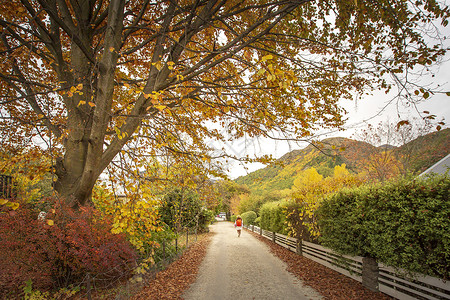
<point x="59" y="250"/>
<point x="401" y="223"/>
<point x="180" y="209"/>
<point x="206" y="217"/>
<point x="273" y="217"/>
<point x="23" y="254"/>
<point x="233" y="218"/>
<point x="249" y="217"/>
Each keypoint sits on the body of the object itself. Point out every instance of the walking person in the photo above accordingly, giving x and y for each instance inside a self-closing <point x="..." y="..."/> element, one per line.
<point x="238" y="225"/>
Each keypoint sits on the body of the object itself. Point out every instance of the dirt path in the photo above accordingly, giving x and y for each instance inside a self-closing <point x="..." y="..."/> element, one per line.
<point x="243" y="268"/>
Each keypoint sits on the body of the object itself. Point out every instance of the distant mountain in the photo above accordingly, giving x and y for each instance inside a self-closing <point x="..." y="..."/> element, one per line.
<point x="426" y="150"/>
<point x="324" y="156"/>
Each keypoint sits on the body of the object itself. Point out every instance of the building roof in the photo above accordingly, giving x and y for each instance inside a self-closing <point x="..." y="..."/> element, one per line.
<point x="440" y="167"/>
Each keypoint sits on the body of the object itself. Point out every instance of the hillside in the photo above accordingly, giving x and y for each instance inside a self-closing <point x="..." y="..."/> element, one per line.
<point x="324" y="156"/>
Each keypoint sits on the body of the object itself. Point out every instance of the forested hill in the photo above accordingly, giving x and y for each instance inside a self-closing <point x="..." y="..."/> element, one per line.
<point x="416" y="156"/>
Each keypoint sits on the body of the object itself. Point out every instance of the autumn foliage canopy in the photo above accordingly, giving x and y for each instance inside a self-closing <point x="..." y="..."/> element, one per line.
<point x="96" y="79"/>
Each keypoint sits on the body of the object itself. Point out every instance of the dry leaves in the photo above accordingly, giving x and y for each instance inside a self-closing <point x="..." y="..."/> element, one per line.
<point x="329" y="283"/>
<point x="173" y="281"/>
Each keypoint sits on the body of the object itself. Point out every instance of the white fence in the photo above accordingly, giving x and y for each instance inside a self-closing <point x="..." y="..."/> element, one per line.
<point x="385" y="279"/>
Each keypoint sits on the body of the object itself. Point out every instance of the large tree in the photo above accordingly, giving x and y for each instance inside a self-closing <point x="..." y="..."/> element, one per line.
<point x="91" y="77"/>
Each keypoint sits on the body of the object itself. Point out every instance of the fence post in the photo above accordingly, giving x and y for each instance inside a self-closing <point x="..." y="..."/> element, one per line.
<point x="298" y="248"/>
<point x="164" y="249"/>
<point x="370" y="273"/>
<point x="253" y="228"/>
<point x="274" y="236"/>
<point x="176" y="245"/>
<point x="187" y="237"/>
<point x="260" y="230"/>
<point x="88" y="286"/>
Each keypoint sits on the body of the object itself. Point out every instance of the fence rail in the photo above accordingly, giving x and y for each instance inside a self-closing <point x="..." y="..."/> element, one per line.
<point x="376" y="277"/>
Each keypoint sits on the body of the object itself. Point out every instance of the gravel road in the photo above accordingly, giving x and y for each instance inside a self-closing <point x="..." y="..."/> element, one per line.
<point x="243" y="268"/>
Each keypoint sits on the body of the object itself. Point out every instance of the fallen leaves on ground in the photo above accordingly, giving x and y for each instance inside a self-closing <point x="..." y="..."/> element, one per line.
<point x="329" y="283"/>
<point x="178" y="276"/>
<point x="173" y="281"/>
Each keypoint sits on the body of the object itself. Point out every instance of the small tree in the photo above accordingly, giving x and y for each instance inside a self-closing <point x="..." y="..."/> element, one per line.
<point x="180" y="208"/>
<point x="308" y="193"/>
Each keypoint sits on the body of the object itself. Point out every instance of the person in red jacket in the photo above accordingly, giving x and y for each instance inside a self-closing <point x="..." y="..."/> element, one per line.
<point x="238" y="225"/>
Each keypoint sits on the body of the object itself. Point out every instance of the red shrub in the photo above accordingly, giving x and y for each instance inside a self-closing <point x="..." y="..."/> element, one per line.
<point x="22" y="255"/>
<point x="78" y="242"/>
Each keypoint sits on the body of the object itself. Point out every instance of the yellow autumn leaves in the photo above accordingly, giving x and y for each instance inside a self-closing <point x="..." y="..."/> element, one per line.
<point x="283" y="79"/>
<point x="10" y="204"/>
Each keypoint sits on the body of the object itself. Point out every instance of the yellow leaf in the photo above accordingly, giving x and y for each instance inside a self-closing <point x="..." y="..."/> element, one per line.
<point x="50" y="222"/>
<point x="15" y="205"/>
<point x="160" y="107"/>
<point x="91" y="104"/>
<point x="111" y="49"/>
<point x="81" y="103"/>
<point x="267" y="57"/>
<point x="80" y="86"/>
<point x="116" y="230"/>
<point x="3" y="201"/>
<point x="157" y="65"/>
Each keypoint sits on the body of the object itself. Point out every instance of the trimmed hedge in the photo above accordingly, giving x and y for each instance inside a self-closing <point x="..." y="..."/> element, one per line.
<point x="403" y="223"/>
<point x="273" y="216"/>
<point x="249" y="217"/>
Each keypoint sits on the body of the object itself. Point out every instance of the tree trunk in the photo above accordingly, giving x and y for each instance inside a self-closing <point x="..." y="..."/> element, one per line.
<point x="84" y="158"/>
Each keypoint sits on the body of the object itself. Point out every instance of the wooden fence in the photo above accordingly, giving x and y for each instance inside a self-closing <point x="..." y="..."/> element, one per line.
<point x="375" y="276"/>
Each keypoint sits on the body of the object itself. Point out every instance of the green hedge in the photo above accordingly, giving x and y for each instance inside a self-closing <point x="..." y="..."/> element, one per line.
<point x="403" y="223"/>
<point x="273" y="217"/>
<point x="249" y="217"/>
